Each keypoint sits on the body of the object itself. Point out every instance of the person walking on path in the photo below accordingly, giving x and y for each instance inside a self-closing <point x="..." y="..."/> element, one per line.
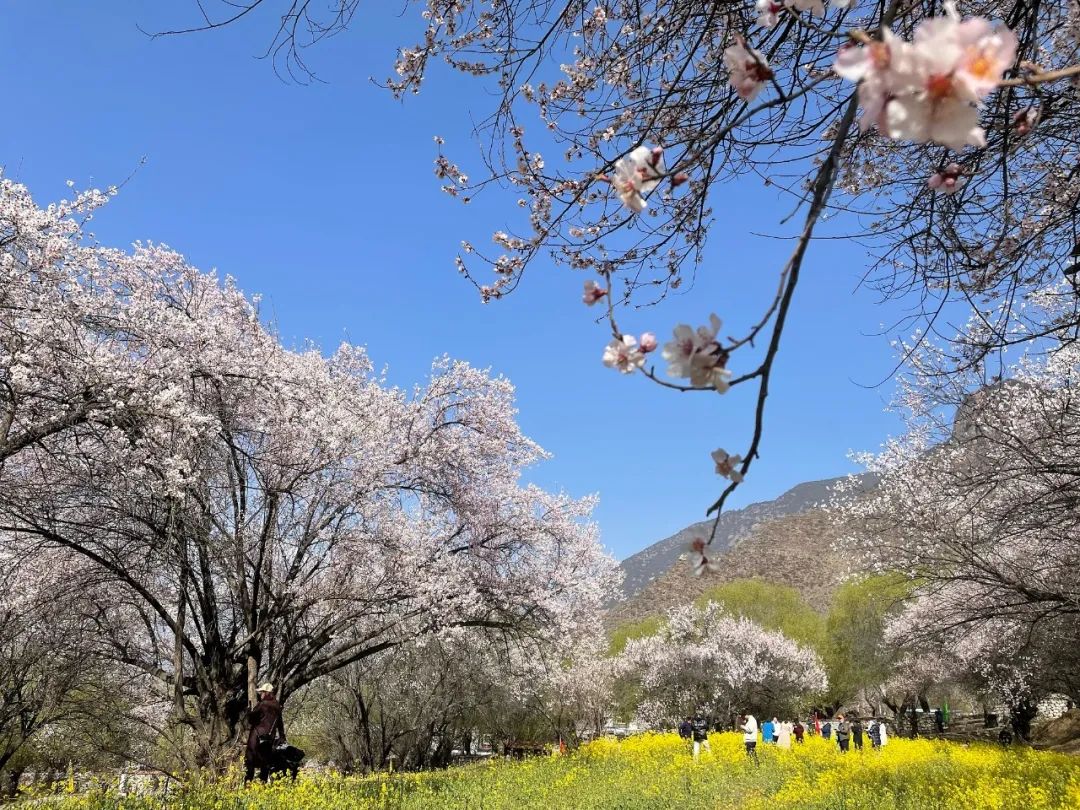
<point x="783" y="736"/>
<point x="267" y="728"/>
<point x="750" y="730"/>
<point x="857" y="733"/>
<point x="798" y="730"/>
<point x="699" y="730"/>
<point x="843" y="733"/>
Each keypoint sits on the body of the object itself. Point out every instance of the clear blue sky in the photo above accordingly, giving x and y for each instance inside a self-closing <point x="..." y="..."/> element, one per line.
<point x="322" y="199"/>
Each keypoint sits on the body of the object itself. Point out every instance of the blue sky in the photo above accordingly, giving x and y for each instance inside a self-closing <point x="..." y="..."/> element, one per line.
<point x="322" y="199"/>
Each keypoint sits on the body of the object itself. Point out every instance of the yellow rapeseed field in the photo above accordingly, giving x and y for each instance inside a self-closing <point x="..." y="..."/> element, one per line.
<point x="657" y="771"/>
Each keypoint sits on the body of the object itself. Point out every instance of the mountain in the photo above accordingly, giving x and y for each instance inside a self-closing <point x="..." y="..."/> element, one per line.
<point x="787" y="540"/>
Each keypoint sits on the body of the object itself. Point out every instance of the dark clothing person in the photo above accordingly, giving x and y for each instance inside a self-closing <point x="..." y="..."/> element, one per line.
<point x="267" y="728"/>
<point x="1005" y="737"/>
<point x="857" y="734"/>
<point x="699" y="728"/>
<point x="843" y="735"/>
<point x="939" y="720"/>
<point x="875" y="734"/>
<point x="798" y="730"/>
<point x="685" y="729"/>
<point x="826" y="731"/>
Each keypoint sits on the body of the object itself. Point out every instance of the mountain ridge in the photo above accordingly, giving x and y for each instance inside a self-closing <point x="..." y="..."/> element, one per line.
<point x="788" y="540"/>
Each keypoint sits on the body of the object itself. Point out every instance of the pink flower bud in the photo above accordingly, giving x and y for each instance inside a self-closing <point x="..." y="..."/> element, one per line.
<point x="935" y="181"/>
<point x="679" y="179"/>
<point x="647" y="342"/>
<point x="593" y="292"/>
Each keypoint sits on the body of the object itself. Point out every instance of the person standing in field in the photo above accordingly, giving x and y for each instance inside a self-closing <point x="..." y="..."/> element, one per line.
<point x="798" y="730"/>
<point x="874" y="730"/>
<point x="826" y="730"/>
<point x="843" y="733"/>
<point x="857" y="733"/>
<point x="783" y="736"/>
<point x="686" y="728"/>
<point x="883" y="733"/>
<point x="699" y="730"/>
<point x="750" y="731"/>
<point x="267" y="728"/>
<point x="767" y="731"/>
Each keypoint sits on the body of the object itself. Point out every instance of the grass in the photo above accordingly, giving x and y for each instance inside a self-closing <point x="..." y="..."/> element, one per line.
<point x="656" y="772"/>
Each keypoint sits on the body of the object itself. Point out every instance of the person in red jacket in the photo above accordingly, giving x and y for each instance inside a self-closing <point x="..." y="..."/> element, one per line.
<point x="267" y="728"/>
<point x="798" y="730"/>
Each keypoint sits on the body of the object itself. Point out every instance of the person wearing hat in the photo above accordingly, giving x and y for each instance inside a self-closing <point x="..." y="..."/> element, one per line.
<point x="266" y="729"/>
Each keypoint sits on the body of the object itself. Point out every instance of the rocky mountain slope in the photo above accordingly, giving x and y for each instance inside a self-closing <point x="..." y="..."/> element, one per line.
<point x="787" y="540"/>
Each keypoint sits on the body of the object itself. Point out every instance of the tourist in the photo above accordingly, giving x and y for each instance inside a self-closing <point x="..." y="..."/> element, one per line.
<point x="798" y="730"/>
<point x="843" y="733"/>
<point x="783" y="735"/>
<point x="883" y="733"/>
<point x="939" y="720"/>
<point x="750" y="730"/>
<point x="767" y="731"/>
<point x="699" y="730"/>
<point x="266" y="729"/>
<point x="775" y="730"/>
<point x="874" y="731"/>
<point x="826" y="730"/>
<point x="857" y="733"/>
<point x="685" y="729"/>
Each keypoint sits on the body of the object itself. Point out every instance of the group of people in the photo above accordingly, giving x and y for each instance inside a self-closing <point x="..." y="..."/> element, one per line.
<point x="781" y="733"/>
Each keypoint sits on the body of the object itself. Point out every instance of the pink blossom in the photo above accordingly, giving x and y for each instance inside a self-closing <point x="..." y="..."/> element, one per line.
<point x="948" y="180"/>
<point x="1025" y="120"/>
<point x="648" y="342"/>
<point x="593" y="292"/>
<point x="870" y="65"/>
<point x="749" y="69"/>
<point x="624" y="355"/>
<point x="926" y="90"/>
<point x="987" y="52"/>
<point x="638" y="173"/>
<point x="768" y="12"/>
<point x="699" y="561"/>
<point x="698" y="355"/>
<point x="725" y="465"/>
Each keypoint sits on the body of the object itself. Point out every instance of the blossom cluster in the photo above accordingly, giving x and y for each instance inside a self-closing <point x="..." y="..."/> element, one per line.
<point x="626" y="354"/>
<point x="930" y="89"/>
<point x="697" y="355"/>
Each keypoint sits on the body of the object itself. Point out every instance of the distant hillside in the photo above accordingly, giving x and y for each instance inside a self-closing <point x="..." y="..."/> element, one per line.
<point x="787" y="540"/>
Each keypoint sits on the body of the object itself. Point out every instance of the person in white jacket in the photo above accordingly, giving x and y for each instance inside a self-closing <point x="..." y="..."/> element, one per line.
<point x="783" y="736"/>
<point x="884" y="734"/>
<point x="750" y="732"/>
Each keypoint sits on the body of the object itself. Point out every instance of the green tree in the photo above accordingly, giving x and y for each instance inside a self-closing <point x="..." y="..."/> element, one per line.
<point x="648" y="626"/>
<point x="854" y="656"/>
<point x="772" y="606"/>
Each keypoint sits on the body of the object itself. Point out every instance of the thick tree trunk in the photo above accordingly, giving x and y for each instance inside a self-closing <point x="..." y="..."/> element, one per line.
<point x="9" y="785"/>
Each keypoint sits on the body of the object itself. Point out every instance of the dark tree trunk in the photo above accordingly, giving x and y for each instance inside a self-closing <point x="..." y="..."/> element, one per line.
<point x="11" y="783"/>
